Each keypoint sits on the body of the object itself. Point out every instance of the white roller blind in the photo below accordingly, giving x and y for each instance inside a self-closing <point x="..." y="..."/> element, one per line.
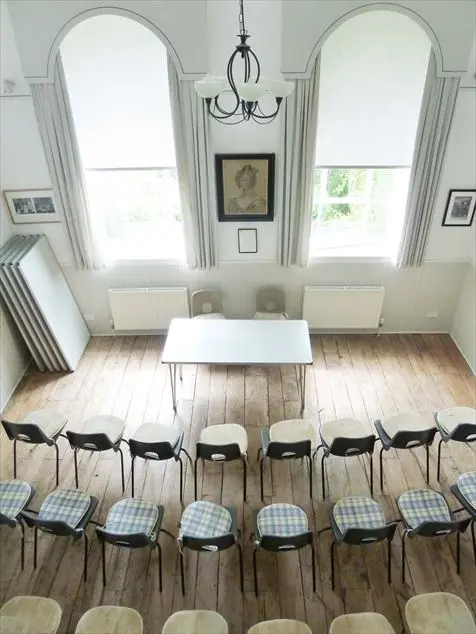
<point x="373" y="70"/>
<point x="116" y="70"/>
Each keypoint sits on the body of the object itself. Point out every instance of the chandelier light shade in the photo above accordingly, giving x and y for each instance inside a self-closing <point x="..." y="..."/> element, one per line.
<point x="247" y="92"/>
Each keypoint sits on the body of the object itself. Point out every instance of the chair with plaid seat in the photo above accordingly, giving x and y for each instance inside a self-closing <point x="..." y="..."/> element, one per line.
<point x="99" y="433"/>
<point x="281" y="528"/>
<point x="208" y="527"/>
<point x="455" y="423"/>
<point x="42" y="426"/>
<point x="152" y="441"/>
<point x="345" y="437"/>
<point x="15" y="495"/>
<point x="222" y="443"/>
<point x="132" y="523"/>
<point x="288" y="440"/>
<point x="465" y="492"/>
<point x="359" y="521"/>
<point x="65" y="513"/>
<point x="425" y="512"/>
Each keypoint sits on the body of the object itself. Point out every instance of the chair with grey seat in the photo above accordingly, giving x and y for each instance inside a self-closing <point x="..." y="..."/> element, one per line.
<point x="39" y="427"/>
<point x="270" y="303"/>
<point x="455" y="423"/>
<point x="206" y="304"/>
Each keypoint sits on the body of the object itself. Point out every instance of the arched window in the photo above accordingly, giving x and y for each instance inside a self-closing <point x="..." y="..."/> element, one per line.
<point x="373" y="70"/>
<point x="116" y="73"/>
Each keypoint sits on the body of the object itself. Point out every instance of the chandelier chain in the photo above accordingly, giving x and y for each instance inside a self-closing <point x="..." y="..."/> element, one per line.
<point x="241" y="20"/>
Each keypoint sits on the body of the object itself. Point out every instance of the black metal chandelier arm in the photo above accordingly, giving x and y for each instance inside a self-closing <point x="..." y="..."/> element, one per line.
<point x="225" y="115"/>
<point x="264" y="117"/>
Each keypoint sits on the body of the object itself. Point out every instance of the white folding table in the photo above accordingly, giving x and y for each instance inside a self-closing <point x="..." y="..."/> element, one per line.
<point x="238" y="342"/>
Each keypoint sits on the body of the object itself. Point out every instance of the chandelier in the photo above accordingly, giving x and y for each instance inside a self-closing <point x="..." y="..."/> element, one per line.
<point x="246" y="93"/>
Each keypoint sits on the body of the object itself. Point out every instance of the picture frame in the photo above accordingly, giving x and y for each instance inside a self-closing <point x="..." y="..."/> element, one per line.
<point x="245" y="187"/>
<point x="248" y="240"/>
<point x="460" y="208"/>
<point x="31" y="206"/>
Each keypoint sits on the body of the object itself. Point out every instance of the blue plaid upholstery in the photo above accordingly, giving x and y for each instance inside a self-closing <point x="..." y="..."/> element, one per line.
<point x="14" y="494"/>
<point x="205" y="519"/>
<point x="423" y="505"/>
<point x="358" y="512"/>
<point x="65" y="505"/>
<point x="467" y="485"/>
<point x="132" y="516"/>
<point x="281" y="520"/>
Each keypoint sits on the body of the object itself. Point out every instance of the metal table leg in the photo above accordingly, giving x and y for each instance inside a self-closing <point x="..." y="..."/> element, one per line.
<point x="173" y="383"/>
<point x="302" y="373"/>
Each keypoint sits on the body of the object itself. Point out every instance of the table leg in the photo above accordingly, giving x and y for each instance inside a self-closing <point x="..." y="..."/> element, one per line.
<point x="173" y="384"/>
<point x="302" y="373"/>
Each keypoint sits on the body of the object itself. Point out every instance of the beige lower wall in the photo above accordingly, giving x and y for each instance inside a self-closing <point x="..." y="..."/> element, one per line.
<point x="463" y="325"/>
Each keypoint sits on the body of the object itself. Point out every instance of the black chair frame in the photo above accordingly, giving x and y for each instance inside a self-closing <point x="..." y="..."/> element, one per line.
<point x="158" y="451"/>
<point x="405" y="440"/>
<point x="466" y="507"/>
<point x="94" y="442"/>
<point x="61" y="529"/>
<point x="214" y="544"/>
<point x="283" y="451"/>
<point x="346" y="448"/>
<point x="275" y="544"/>
<point x="434" y="529"/>
<point x="359" y="537"/>
<point x="461" y="433"/>
<point x="218" y="454"/>
<point x="33" y="435"/>
<point x="133" y="540"/>
<point x="17" y="521"/>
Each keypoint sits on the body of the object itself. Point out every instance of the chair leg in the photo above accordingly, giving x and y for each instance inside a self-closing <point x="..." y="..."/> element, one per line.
<point x="15" y="458"/>
<point x="259" y="453"/>
<point x="75" y="454"/>
<point x="381" y="467"/>
<point x="195" y="478"/>
<point x="333" y="577"/>
<point x="458" y="546"/>
<point x="261" y="478"/>
<point x="313" y="555"/>
<point x="132" y="475"/>
<point x="103" y="544"/>
<point x="255" y="571"/>
<point x="240" y="556"/>
<point x="85" y="572"/>
<point x="389" y="561"/>
<point x="310" y="476"/>
<point x="160" y="565"/>
<point x="122" y="469"/>
<point x="371" y="475"/>
<point x="427" y="448"/>
<point x="57" y="464"/>
<point x="182" y="574"/>
<point x="244" y="479"/>
<point x="323" y="476"/>
<point x="22" y="545"/>
<point x="35" y="545"/>
<point x="474" y="541"/>
<point x="188" y="456"/>
<point x="404" y="534"/>
<point x="181" y="478"/>
<point x="438" y="463"/>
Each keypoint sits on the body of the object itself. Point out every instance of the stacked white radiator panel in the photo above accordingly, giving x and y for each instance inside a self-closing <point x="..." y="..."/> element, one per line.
<point x="38" y="297"/>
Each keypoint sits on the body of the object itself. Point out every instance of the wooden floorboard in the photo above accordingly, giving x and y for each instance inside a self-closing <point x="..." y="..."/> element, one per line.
<point x="358" y="376"/>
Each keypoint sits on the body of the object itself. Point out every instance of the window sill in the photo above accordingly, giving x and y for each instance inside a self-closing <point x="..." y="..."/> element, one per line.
<point x="123" y="262"/>
<point x="351" y="259"/>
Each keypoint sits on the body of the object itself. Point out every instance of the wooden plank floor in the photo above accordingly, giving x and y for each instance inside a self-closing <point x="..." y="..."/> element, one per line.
<point x="360" y="376"/>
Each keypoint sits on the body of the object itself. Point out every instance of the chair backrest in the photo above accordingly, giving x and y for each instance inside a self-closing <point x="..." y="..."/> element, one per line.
<point x="352" y="446"/>
<point x="288" y="450"/>
<point x="440" y="529"/>
<point x="409" y="439"/>
<point x="151" y="450"/>
<point x="466" y="432"/>
<point x="124" y="540"/>
<point x="218" y="453"/>
<point x="90" y="442"/>
<point x="208" y="544"/>
<point x="7" y="521"/>
<point x="364" y="536"/>
<point x="206" y="301"/>
<point x="283" y="544"/>
<point x="27" y="432"/>
<point x="271" y="300"/>
<point x="50" y="526"/>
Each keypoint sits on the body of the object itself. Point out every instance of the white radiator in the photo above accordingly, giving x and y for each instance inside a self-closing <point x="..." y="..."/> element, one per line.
<point x="147" y="308"/>
<point x="343" y="307"/>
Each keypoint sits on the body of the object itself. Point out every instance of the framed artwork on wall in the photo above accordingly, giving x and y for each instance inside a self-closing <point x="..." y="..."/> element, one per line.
<point x="247" y="241"/>
<point x="28" y="206"/>
<point x="460" y="208"/>
<point x="245" y="187"/>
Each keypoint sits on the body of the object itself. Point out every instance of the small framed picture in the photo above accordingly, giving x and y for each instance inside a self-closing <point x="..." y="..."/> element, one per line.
<point x="31" y="206"/>
<point x="245" y="187"/>
<point x="460" y="208"/>
<point x="247" y="241"/>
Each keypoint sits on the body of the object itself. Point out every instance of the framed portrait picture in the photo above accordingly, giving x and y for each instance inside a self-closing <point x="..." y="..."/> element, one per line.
<point x="31" y="206"/>
<point x="460" y="208"/>
<point x="245" y="186"/>
<point x="247" y="240"/>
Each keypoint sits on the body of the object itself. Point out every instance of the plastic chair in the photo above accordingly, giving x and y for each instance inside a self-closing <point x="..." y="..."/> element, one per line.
<point x="207" y="304"/>
<point x="465" y="492"/>
<point x="110" y="619"/>
<point x="438" y="612"/>
<point x="270" y="303"/>
<point x="196" y="621"/>
<point x="15" y="495"/>
<point x="455" y="423"/>
<point x="280" y="626"/>
<point x="30" y="614"/>
<point x="359" y="622"/>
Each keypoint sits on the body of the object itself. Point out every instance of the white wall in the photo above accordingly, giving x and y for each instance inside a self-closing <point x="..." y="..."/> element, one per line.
<point x="463" y="326"/>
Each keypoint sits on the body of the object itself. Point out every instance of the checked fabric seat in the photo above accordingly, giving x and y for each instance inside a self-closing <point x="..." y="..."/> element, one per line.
<point x="465" y="492"/>
<point x="15" y="495"/>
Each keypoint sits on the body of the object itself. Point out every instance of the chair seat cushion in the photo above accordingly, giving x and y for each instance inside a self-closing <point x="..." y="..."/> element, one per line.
<point x="406" y="421"/>
<point x="358" y="512"/>
<point x="466" y="483"/>
<point x="132" y="516"/>
<point x="282" y="520"/>
<point x="205" y="519"/>
<point x="112" y="426"/>
<point x="49" y="421"/>
<point x="262" y="315"/>
<point x="210" y="316"/>
<point x="195" y="622"/>
<point x="423" y="505"/>
<point x="65" y="505"/>
<point x="226" y="434"/>
<point x="110" y="619"/>
<point x="154" y="433"/>
<point x="343" y="428"/>
<point x="293" y="430"/>
<point x="452" y="417"/>
<point x="14" y="494"/>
